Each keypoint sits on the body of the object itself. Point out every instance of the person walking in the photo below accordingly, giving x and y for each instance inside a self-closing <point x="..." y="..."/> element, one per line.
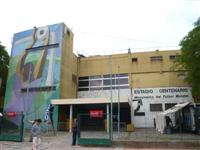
<point x="35" y="132"/>
<point x="74" y="132"/>
<point x="32" y="122"/>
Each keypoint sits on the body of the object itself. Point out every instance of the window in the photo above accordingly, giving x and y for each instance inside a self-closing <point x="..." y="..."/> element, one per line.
<point x="156" y="58"/>
<point x="95" y="77"/>
<point x="108" y="76"/>
<point x="83" y="78"/>
<point x="169" y="105"/>
<point x="172" y="57"/>
<point x="38" y="89"/>
<point x="95" y="82"/>
<point x="156" y="107"/>
<point x="122" y="81"/>
<point x="83" y="83"/>
<point x="95" y="88"/>
<point x="107" y="82"/>
<point x="134" y="59"/>
<point x="102" y="82"/>
<point x="123" y="75"/>
<point x="83" y="89"/>
<point x="139" y="114"/>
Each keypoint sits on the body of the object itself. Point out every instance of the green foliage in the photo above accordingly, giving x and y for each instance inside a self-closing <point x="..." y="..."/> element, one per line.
<point x="189" y="59"/>
<point x="4" y="62"/>
<point x="197" y="23"/>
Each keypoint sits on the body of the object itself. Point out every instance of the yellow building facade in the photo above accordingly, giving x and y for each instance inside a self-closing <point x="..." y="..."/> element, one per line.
<point x="145" y="80"/>
<point x="145" y="69"/>
<point x="44" y="71"/>
<point x="143" y="83"/>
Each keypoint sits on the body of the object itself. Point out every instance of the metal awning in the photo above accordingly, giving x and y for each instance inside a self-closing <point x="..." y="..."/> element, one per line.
<point x="175" y="108"/>
<point x="161" y="120"/>
<point x="85" y="101"/>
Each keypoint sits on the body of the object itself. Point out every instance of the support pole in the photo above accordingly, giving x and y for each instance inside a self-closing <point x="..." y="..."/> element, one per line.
<point x="107" y="117"/>
<point x="111" y="99"/>
<point x="118" y="116"/>
<point x="70" y="118"/>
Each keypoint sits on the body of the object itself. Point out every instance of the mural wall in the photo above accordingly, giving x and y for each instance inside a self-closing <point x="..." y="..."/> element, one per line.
<point x="34" y="73"/>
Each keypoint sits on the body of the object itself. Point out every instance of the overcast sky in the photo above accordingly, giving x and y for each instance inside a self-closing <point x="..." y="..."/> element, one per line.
<point x="102" y="26"/>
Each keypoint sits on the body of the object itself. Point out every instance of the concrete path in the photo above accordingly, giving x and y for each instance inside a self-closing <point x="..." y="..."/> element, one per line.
<point x="63" y="142"/>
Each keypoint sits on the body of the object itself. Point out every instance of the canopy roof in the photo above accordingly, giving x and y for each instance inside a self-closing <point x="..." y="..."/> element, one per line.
<point x="175" y="108"/>
<point x="85" y="101"/>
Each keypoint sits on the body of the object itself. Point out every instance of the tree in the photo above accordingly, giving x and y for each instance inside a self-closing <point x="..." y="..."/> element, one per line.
<point x="197" y="23"/>
<point x="4" y="62"/>
<point x="189" y="59"/>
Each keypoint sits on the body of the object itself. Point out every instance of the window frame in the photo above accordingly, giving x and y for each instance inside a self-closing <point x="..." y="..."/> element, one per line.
<point x="155" y="108"/>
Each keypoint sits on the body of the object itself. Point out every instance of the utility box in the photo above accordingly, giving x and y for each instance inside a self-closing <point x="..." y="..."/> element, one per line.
<point x="130" y="127"/>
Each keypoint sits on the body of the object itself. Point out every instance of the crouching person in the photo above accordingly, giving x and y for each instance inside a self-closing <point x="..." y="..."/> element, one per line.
<point x="35" y="132"/>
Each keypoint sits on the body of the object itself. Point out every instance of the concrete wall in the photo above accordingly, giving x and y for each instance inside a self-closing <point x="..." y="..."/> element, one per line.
<point x="68" y="67"/>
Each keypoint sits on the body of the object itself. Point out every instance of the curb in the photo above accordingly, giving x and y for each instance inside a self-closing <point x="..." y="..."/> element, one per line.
<point x="145" y="144"/>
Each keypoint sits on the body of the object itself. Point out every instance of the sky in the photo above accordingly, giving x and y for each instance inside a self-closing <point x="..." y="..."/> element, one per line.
<point x="105" y="26"/>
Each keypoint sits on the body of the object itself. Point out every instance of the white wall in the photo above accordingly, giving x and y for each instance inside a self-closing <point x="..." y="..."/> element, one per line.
<point x="157" y="95"/>
<point x="124" y="94"/>
<point x="148" y="96"/>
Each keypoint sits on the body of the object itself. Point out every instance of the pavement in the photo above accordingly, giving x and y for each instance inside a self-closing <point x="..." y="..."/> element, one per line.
<point x="123" y="141"/>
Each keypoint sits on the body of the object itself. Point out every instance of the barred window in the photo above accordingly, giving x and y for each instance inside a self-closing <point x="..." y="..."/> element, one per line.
<point x="156" y="58"/>
<point x="96" y="83"/>
<point x="156" y="107"/>
<point x="103" y="82"/>
<point x="172" y="57"/>
<point x="134" y="59"/>
<point x="83" y="83"/>
<point x="169" y="105"/>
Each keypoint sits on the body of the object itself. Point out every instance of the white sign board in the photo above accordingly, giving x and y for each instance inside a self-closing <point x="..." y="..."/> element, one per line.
<point x="167" y="93"/>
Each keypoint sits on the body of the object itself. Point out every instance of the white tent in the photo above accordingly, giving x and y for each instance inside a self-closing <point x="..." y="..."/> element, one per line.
<point x="160" y="118"/>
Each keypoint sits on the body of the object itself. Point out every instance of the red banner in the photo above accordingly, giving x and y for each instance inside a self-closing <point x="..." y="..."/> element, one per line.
<point x="11" y="114"/>
<point x="96" y="113"/>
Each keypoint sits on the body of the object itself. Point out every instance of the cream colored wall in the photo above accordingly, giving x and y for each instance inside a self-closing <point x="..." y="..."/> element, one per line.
<point x="143" y="73"/>
<point x="145" y="65"/>
<point x="157" y="79"/>
<point x="68" y="68"/>
<point x="97" y="65"/>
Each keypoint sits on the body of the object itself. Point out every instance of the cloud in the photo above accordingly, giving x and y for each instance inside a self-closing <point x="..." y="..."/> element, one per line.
<point x="104" y="25"/>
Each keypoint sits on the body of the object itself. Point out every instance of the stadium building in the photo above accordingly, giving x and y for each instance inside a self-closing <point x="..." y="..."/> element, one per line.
<point x="44" y="70"/>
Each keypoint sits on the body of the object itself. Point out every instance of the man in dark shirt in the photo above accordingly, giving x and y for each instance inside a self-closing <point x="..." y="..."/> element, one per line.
<point x="74" y="132"/>
<point x="168" y="121"/>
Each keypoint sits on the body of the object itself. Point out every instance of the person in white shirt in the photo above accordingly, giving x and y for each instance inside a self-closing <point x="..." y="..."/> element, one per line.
<point x="35" y="131"/>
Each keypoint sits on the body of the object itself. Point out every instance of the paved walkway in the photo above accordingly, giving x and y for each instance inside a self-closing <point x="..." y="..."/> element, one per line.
<point x="63" y="142"/>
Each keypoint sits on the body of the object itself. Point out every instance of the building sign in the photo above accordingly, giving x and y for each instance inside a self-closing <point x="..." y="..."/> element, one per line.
<point x="163" y="93"/>
<point x="11" y="114"/>
<point x="96" y="113"/>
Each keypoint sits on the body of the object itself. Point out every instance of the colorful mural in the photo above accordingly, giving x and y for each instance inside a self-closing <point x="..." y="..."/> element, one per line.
<point x="34" y="73"/>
